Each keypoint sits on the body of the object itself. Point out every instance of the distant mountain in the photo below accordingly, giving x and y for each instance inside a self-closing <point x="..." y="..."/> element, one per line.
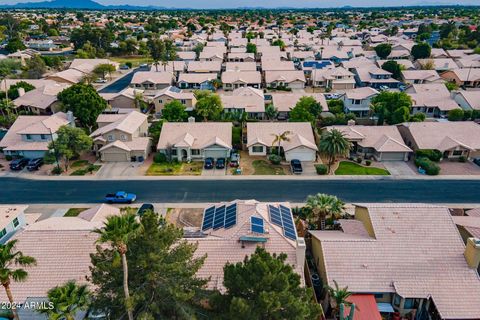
<point x="77" y="4"/>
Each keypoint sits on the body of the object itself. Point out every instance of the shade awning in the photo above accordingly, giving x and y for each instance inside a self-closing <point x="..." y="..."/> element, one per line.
<point x="385" y="307"/>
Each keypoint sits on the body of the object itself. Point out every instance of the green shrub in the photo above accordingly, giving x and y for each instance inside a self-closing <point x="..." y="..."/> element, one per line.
<point x="462" y="159"/>
<point x="321" y="169"/>
<point x="79" y="172"/>
<point x="359" y="160"/>
<point x="430" y="167"/>
<point x="368" y="163"/>
<point x="8" y="157"/>
<point x="160" y="158"/>
<point x="49" y="158"/>
<point x="275" y="159"/>
<point x="433" y="155"/>
<point x="57" y="170"/>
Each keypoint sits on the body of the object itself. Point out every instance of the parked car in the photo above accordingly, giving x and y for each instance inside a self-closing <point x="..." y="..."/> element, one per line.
<point x="120" y="197"/>
<point x="220" y="163"/>
<point x="100" y="80"/>
<point x="296" y="166"/>
<point x="19" y="164"/>
<point x="209" y="163"/>
<point x="146" y="206"/>
<point x="144" y="66"/>
<point x="384" y="88"/>
<point x="34" y="164"/>
<point x="330" y="96"/>
<point x="124" y="67"/>
<point x="476" y="161"/>
<point x="235" y="160"/>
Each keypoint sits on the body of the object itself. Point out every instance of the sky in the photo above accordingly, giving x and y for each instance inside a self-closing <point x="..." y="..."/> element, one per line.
<point x="215" y="4"/>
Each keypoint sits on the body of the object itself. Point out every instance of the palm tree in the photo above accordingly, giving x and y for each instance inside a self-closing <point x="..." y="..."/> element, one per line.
<point x="67" y="301"/>
<point x="118" y="231"/>
<point x="338" y="296"/>
<point x="9" y="259"/>
<point x="279" y="138"/>
<point x="322" y="205"/>
<point x="334" y="144"/>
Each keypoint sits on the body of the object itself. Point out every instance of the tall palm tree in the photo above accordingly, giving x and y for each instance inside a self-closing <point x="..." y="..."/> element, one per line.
<point x="338" y="296"/>
<point x="9" y="260"/>
<point x="323" y="205"/>
<point x="67" y="300"/>
<point x="333" y="144"/>
<point x="279" y="138"/>
<point x="118" y="231"/>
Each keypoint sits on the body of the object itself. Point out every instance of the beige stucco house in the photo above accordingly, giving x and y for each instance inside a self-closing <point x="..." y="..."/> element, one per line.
<point x="170" y="94"/>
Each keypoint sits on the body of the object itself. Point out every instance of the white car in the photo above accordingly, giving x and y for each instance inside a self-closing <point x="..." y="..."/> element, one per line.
<point x="100" y="80"/>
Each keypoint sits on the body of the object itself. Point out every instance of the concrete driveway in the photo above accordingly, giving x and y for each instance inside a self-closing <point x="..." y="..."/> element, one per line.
<point x="308" y="168"/>
<point x="213" y="172"/>
<point x="398" y="168"/>
<point x="119" y="169"/>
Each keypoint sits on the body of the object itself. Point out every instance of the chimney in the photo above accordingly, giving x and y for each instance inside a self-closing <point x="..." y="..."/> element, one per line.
<point x="472" y="253"/>
<point x="191" y="119"/>
<point x="301" y="247"/>
<point x="70" y="117"/>
<point x="21" y="91"/>
<point x="351" y="123"/>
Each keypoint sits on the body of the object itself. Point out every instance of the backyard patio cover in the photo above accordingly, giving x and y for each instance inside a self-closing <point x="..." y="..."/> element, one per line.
<point x="365" y="307"/>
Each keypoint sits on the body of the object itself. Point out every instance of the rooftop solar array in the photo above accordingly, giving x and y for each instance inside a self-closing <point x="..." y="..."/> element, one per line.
<point x="257" y="225"/>
<point x="219" y="217"/>
<point x="282" y="217"/>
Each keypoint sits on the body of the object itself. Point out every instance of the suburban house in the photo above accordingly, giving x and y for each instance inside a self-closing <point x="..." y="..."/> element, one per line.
<point x="358" y="101"/>
<point x="12" y="218"/>
<point x="246" y="99"/>
<point x="187" y="141"/>
<point x="269" y="65"/>
<point x="289" y="79"/>
<point x="125" y="99"/>
<point x="237" y="79"/>
<point x="233" y="230"/>
<point x="151" y="80"/>
<point x="79" y="69"/>
<point x="299" y="144"/>
<point x="240" y="66"/>
<point x="467" y="100"/>
<point x="433" y="99"/>
<point x="375" y="77"/>
<point x="420" y="76"/>
<point x="65" y="239"/>
<point x="205" y="67"/>
<point x="465" y="77"/>
<point x="29" y="136"/>
<point x="337" y="78"/>
<point x="382" y="143"/>
<point x="439" y="65"/>
<point x="42" y="100"/>
<point x="170" y="94"/>
<point x="122" y="137"/>
<point x="285" y="102"/>
<point x="453" y="139"/>
<point x="186" y="55"/>
<point x="240" y="57"/>
<point x="407" y="258"/>
<point x="202" y="81"/>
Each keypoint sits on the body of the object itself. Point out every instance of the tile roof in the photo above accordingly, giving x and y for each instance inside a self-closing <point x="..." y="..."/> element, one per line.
<point x="247" y="77"/>
<point x="286" y="76"/>
<point x="247" y="98"/>
<point x="129" y="123"/>
<point x="161" y="77"/>
<point x="415" y="251"/>
<point x="284" y="102"/>
<point x="196" y="135"/>
<point x="301" y="134"/>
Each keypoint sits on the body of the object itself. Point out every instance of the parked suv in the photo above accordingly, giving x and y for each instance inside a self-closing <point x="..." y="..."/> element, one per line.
<point x="234" y="160"/>
<point x="34" y="164"/>
<point x="296" y="166"/>
<point x="220" y="163"/>
<point x="19" y="164"/>
<point x="209" y="163"/>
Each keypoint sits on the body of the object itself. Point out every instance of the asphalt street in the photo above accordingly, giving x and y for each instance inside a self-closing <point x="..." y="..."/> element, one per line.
<point x="17" y="190"/>
<point x="120" y="84"/>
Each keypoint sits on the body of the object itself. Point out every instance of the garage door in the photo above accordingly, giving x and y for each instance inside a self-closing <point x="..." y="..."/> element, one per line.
<point x="216" y="153"/>
<point x="393" y="156"/>
<point x="302" y="154"/>
<point x="115" y="157"/>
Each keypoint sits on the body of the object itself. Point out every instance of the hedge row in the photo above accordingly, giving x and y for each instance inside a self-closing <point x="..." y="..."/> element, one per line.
<point x="430" y="167"/>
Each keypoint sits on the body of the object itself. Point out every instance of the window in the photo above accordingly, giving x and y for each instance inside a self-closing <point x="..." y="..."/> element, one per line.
<point x="195" y="152"/>
<point x="257" y="149"/>
<point x="43" y="137"/>
<point x="160" y="101"/>
<point x="397" y="300"/>
<point x="123" y="137"/>
<point x="378" y="295"/>
<point x="110" y="137"/>
<point x="15" y="222"/>
<point x="29" y="136"/>
<point x="457" y="152"/>
<point x="409" y="304"/>
<point x="183" y="101"/>
<point x="174" y="152"/>
<point x="3" y="233"/>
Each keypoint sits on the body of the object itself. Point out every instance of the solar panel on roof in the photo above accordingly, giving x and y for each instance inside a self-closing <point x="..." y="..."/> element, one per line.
<point x="275" y="217"/>
<point x="219" y="220"/>
<point x="257" y="225"/>
<point x="288" y="225"/>
<point x="208" y="218"/>
<point x="231" y="216"/>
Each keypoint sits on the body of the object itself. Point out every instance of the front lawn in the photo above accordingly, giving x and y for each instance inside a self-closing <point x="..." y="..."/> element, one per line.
<point x="351" y="168"/>
<point x="87" y="169"/>
<point x="175" y="169"/>
<point x="262" y="167"/>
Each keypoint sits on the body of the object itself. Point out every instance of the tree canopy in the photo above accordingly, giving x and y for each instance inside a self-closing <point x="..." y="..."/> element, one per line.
<point x="394" y="68"/>
<point x="70" y="142"/>
<point x="85" y="103"/>
<point x="174" y="111"/>
<point x="392" y="107"/>
<point x="263" y="286"/>
<point x="209" y="105"/>
<point x="383" y="50"/>
<point x="421" y="51"/>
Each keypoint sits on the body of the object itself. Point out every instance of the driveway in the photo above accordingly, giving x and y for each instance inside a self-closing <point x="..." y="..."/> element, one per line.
<point x="119" y="169"/>
<point x="213" y="172"/>
<point x="308" y="168"/>
<point x="398" y="168"/>
<point x="120" y="83"/>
